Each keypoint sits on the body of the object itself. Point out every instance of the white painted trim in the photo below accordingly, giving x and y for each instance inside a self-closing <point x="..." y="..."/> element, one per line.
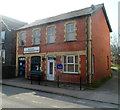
<point x="50" y="77"/>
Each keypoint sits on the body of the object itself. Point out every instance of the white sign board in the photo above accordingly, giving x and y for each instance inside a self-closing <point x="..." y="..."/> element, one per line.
<point x="32" y="50"/>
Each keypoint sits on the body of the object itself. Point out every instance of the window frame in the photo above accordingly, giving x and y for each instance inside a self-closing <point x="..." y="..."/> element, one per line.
<point x="67" y="56"/>
<point x="20" y="41"/>
<point x="51" y="26"/>
<point x="33" y="63"/>
<point x="66" y="32"/>
<point x="36" y="37"/>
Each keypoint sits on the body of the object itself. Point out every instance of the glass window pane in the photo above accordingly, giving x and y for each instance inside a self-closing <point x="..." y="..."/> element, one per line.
<point x="65" y="67"/>
<point x="70" y="31"/>
<point x="76" y="68"/>
<point x="36" y="34"/>
<point x="70" y="67"/>
<point x="68" y="28"/>
<point x="35" y="63"/>
<point x="51" y="68"/>
<point x="70" y="59"/>
<point x="76" y="59"/>
<point x="51" y="34"/>
<point x="70" y="36"/>
<point x="23" y="38"/>
<point x="64" y="59"/>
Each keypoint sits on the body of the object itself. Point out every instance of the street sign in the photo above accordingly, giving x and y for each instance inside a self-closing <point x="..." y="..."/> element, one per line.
<point x="59" y="67"/>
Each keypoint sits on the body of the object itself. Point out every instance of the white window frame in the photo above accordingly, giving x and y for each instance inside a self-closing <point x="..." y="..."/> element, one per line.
<point x="70" y="31"/>
<point x="50" y="34"/>
<point x="34" y="37"/>
<point x="69" y="63"/>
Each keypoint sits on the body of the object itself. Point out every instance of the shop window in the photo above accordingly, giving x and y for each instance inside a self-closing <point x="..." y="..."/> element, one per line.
<point x="70" y="63"/>
<point x="70" y="31"/>
<point x="36" y="37"/>
<point x="22" y="38"/>
<point x="51" y="34"/>
<point x="35" y="63"/>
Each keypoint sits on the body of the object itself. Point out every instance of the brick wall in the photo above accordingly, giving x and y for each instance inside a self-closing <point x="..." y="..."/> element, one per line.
<point x="100" y="45"/>
<point x="60" y="46"/>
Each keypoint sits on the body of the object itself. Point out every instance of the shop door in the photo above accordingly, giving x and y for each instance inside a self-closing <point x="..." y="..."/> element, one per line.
<point x="21" y="66"/>
<point x="50" y="70"/>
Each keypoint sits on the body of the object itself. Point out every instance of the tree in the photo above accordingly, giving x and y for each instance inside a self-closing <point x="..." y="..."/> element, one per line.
<point x="114" y="47"/>
<point x="114" y="44"/>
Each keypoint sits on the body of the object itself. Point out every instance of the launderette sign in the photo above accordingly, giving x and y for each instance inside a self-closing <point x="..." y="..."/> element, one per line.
<point x="32" y="50"/>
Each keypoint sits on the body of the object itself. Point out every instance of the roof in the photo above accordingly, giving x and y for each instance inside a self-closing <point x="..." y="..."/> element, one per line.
<point x="70" y="15"/>
<point x="11" y="23"/>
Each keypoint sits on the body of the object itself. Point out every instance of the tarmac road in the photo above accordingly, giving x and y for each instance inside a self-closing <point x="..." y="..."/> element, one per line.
<point x="13" y="97"/>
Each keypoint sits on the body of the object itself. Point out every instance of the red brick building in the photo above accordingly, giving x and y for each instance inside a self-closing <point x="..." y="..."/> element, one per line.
<point x="80" y="40"/>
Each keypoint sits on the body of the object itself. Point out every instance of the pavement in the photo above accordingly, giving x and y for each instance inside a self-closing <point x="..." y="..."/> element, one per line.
<point x="108" y="93"/>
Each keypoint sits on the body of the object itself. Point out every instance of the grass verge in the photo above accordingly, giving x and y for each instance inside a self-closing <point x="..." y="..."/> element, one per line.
<point x="97" y="84"/>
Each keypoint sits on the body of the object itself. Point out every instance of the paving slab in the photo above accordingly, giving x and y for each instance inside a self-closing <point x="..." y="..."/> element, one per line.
<point x="106" y="93"/>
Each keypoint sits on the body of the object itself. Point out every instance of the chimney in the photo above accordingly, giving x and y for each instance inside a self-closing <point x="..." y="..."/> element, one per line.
<point x="93" y="7"/>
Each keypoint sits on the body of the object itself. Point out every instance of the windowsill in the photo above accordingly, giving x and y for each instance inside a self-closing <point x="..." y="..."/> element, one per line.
<point x="21" y="45"/>
<point x="71" y="73"/>
<point x="35" y="44"/>
<point x="70" y="41"/>
<point x="50" y="43"/>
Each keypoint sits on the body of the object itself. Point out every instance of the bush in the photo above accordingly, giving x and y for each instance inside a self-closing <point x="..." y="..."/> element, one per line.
<point x="97" y="84"/>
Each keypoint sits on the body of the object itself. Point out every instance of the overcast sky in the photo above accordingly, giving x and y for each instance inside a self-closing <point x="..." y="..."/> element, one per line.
<point x="31" y="10"/>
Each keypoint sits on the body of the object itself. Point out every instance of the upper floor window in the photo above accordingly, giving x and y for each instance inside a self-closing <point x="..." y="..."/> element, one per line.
<point x="70" y="31"/>
<point x="3" y="36"/>
<point x="23" y="38"/>
<point x="36" y="37"/>
<point x="70" y="64"/>
<point x="51" y="34"/>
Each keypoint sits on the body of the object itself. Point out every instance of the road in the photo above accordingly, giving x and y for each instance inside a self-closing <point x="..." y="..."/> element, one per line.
<point x="13" y="97"/>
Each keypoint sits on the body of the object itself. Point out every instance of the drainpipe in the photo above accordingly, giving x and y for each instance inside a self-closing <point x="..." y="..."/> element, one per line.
<point x="88" y="37"/>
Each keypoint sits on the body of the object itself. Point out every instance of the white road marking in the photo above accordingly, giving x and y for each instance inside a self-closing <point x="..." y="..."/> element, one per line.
<point x="36" y="102"/>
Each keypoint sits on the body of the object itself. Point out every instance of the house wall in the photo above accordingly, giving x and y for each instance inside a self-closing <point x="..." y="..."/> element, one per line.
<point x="58" y="49"/>
<point x="100" y="46"/>
<point x="9" y="47"/>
